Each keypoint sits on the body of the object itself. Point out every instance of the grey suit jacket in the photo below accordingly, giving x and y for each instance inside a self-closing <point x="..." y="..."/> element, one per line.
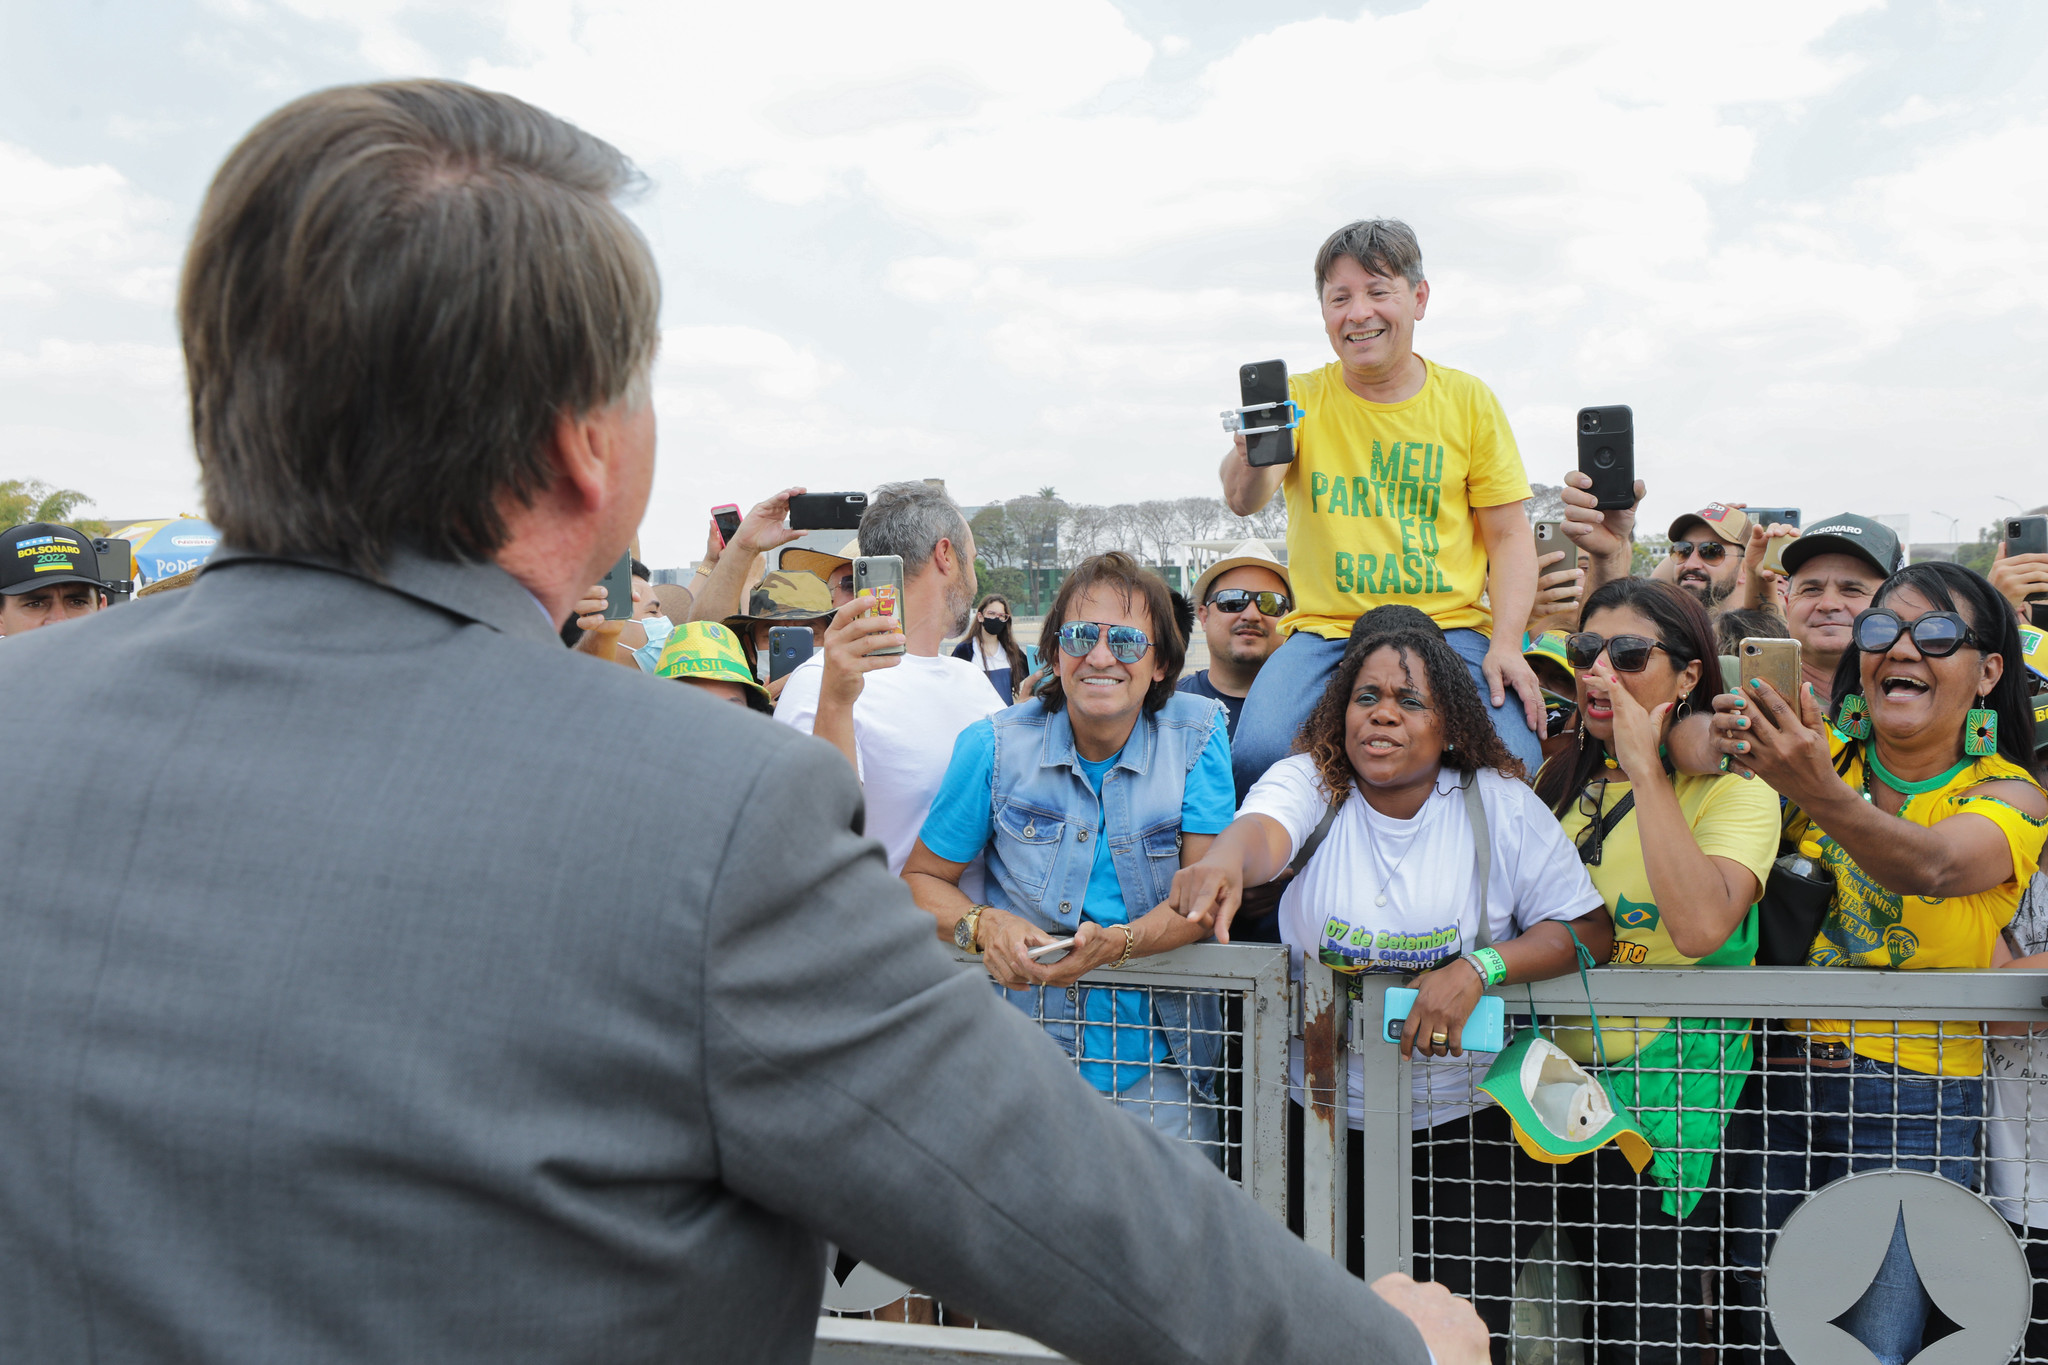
<point x="381" y="982"/>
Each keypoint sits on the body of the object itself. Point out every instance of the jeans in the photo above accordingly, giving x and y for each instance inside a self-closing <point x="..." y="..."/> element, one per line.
<point x="1163" y="1098"/>
<point x="1293" y="678"/>
<point x="1823" y="1123"/>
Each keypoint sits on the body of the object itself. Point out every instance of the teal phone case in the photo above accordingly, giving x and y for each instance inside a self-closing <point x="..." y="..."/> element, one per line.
<point x="1485" y="1028"/>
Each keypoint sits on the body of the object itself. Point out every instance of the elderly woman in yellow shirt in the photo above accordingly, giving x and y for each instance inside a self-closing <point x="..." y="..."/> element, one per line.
<point x="1921" y="800"/>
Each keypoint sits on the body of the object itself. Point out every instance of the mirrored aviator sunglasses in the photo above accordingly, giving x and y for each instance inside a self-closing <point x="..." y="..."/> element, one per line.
<point x="1626" y="653"/>
<point x="1127" y="644"/>
<point x="1936" y="635"/>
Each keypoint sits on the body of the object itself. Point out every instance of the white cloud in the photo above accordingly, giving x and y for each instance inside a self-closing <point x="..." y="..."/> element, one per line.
<point x="80" y="229"/>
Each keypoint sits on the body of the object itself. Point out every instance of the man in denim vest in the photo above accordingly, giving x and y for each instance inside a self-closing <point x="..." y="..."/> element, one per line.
<point x="1086" y="800"/>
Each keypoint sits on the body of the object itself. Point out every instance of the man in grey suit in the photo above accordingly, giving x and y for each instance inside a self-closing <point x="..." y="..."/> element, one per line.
<point x="338" y="1024"/>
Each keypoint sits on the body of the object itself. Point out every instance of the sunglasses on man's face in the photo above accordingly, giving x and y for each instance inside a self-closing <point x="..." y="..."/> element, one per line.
<point x="1626" y="653"/>
<point x="1709" y="551"/>
<point x="1235" y="600"/>
<point x="1127" y="644"/>
<point x="1936" y="635"/>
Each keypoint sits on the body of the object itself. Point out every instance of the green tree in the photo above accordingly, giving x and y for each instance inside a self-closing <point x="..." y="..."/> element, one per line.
<point x="24" y="500"/>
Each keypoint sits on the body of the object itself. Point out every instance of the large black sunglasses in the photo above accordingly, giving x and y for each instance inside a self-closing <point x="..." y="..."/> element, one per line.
<point x="1127" y="644"/>
<point x="1235" y="600"/>
<point x="1627" y="653"/>
<point x="1936" y="635"/>
<point x="1709" y="551"/>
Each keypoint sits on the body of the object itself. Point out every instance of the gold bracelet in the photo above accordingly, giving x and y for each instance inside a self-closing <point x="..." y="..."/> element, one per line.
<point x="1130" y="942"/>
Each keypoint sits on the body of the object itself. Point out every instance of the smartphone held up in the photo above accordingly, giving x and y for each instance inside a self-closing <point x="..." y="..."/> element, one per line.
<point x="881" y="577"/>
<point x="1266" y="415"/>
<point x="1607" y="455"/>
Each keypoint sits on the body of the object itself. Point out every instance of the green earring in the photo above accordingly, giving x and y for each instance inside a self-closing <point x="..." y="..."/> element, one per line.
<point x="1980" y="732"/>
<point x="1853" y="719"/>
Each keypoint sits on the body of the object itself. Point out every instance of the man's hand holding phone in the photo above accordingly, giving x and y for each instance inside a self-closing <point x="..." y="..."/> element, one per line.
<point x="2017" y="577"/>
<point x="762" y="529"/>
<point x="1557" y="592"/>
<point x="857" y="630"/>
<point x="1763" y="571"/>
<point x="1602" y="535"/>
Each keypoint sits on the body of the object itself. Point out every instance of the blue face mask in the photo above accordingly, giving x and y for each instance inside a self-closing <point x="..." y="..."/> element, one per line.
<point x="658" y="628"/>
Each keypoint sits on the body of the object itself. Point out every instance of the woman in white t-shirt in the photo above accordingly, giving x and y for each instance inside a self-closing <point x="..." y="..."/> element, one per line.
<point x="1394" y="887"/>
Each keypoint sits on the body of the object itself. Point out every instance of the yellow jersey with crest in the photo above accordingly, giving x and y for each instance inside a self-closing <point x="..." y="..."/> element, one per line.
<point x="1729" y="818"/>
<point x="1868" y="926"/>
<point x="1380" y="499"/>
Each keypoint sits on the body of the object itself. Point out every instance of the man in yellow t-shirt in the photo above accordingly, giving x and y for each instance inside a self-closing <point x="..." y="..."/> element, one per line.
<point x="1406" y="486"/>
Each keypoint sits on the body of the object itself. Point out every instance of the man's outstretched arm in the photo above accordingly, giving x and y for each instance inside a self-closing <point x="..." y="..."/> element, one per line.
<point x="862" y="1082"/>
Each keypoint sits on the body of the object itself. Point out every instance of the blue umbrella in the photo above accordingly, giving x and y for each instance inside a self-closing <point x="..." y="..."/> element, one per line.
<point x="177" y="545"/>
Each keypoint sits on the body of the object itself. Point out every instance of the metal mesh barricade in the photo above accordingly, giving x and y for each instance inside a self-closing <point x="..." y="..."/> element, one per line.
<point x="1192" y="1042"/>
<point x="1760" y="1092"/>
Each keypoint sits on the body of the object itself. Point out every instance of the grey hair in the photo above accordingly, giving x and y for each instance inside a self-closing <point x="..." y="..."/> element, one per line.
<point x="1384" y="246"/>
<point x="910" y="519"/>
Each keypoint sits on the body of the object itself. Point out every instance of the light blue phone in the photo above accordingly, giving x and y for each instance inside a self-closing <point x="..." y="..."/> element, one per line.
<point x="1485" y="1028"/>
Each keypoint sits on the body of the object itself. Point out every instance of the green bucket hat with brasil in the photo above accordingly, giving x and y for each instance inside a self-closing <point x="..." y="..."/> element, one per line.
<point x="706" y="651"/>
<point x="1559" y="1109"/>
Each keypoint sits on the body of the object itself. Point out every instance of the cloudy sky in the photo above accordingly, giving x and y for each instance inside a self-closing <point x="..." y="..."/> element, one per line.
<point x="1022" y="245"/>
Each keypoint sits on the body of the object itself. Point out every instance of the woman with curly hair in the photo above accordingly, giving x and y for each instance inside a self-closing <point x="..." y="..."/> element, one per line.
<point x="1386" y="755"/>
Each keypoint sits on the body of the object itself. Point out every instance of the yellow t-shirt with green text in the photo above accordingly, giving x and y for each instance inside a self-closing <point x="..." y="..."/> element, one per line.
<point x="1380" y="499"/>
<point x="1868" y="926"/>
<point x="1729" y="818"/>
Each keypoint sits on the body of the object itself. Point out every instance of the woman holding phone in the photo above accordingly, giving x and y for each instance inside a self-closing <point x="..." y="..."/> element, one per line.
<point x="1922" y="801"/>
<point x="1387" y="755"/>
<point x="1679" y="862"/>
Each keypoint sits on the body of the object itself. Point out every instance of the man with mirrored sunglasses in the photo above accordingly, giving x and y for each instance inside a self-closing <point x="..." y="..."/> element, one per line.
<point x="1240" y="600"/>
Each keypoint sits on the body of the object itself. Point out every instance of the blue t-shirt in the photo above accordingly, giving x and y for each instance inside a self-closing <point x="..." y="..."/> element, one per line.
<point x="1199" y="684"/>
<point x="1118" y="1040"/>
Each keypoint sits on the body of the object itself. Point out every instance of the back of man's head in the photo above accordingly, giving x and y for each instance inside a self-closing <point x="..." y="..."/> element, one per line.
<point x="910" y="519"/>
<point x="392" y="293"/>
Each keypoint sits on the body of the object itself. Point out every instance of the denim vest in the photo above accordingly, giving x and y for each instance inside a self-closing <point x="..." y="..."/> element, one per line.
<point x="1042" y="849"/>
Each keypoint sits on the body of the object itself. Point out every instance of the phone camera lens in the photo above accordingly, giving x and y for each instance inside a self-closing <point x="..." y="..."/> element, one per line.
<point x="1589" y="423"/>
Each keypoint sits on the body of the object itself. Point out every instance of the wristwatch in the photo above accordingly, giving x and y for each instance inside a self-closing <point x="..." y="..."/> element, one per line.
<point x="967" y="928"/>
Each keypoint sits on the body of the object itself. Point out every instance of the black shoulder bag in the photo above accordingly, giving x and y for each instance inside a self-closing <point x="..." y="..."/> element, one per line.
<point x="1790" y="911"/>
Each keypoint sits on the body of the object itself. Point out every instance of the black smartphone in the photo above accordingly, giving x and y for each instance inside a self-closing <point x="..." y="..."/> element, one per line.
<point x="827" y="511"/>
<point x="788" y="646"/>
<point x="618" y="590"/>
<point x="2027" y="536"/>
<point x="727" y="517"/>
<point x="117" y="563"/>
<point x="1765" y="516"/>
<point x="1607" y="455"/>
<point x="1259" y="387"/>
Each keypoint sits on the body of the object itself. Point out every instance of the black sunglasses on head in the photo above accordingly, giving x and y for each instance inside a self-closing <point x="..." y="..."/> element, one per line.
<point x="1936" y="635"/>
<point x="1627" y="653"/>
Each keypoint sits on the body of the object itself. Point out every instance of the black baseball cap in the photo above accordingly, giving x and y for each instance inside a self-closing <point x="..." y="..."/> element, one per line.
<point x="39" y="554"/>
<point x="1870" y="541"/>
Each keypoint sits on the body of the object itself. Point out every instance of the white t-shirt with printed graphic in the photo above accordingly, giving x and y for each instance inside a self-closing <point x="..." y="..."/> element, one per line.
<point x="1426" y="867"/>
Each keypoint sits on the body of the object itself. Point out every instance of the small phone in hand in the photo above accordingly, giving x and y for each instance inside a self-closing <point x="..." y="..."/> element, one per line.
<point x="1485" y="1028"/>
<point x="827" y="511"/>
<point x="1607" y="455"/>
<point x="618" y="590"/>
<point x="1769" y="516"/>
<point x="1260" y="386"/>
<point x="727" y="517"/>
<point x="1775" y="662"/>
<point x="1054" y="951"/>
<point x="2027" y="536"/>
<point x="788" y="646"/>
<point x="881" y="577"/>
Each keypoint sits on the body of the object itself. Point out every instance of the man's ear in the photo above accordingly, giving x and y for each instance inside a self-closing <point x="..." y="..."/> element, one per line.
<point x="946" y="556"/>
<point x="577" y="459"/>
<point x="1421" y="298"/>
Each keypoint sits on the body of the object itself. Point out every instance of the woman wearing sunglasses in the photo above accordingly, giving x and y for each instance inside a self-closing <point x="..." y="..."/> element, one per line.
<point x="1386" y="756"/>
<point x="1085" y="800"/>
<point x="1679" y="862"/>
<point x="1922" y="802"/>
